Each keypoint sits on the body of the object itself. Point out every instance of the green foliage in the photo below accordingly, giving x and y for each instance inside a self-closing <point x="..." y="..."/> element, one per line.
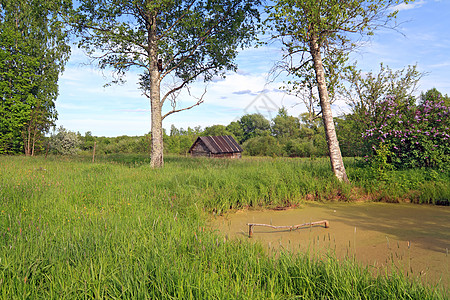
<point x="367" y="89"/>
<point x="125" y="144"/>
<point x="87" y="142"/>
<point x="186" y="49"/>
<point x="418" y="135"/>
<point x="64" y="142"/>
<point x="365" y="92"/>
<point x="285" y="127"/>
<point x="329" y="21"/>
<point x="316" y="39"/>
<point x="315" y="147"/>
<point x="433" y="95"/>
<point x="253" y="125"/>
<point x="179" y="141"/>
<point x="114" y="145"/>
<point x="215" y="130"/>
<point x="178" y="144"/>
<point x="263" y="146"/>
<point x="301" y="139"/>
<point x="236" y="130"/>
<point x="419" y="185"/>
<point x="33" y="51"/>
<point x="380" y="161"/>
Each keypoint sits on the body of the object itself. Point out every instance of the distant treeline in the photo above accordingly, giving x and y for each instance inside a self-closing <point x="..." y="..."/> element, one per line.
<point x="407" y="133"/>
<point x="391" y="133"/>
<point x="284" y="135"/>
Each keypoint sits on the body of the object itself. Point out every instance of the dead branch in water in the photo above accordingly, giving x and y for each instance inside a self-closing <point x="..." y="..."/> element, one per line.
<point x="251" y="225"/>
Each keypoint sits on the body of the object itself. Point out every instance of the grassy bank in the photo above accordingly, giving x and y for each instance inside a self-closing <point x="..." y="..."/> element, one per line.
<point x="225" y="184"/>
<point x="118" y="229"/>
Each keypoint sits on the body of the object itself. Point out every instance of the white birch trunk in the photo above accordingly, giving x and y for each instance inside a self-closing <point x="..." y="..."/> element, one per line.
<point x="337" y="165"/>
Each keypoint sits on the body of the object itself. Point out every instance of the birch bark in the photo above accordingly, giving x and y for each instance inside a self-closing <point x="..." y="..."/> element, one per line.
<point x="337" y="164"/>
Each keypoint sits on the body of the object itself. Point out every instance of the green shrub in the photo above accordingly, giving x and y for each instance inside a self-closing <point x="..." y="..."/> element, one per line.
<point x="64" y="142"/>
<point x="263" y="146"/>
<point x="417" y="136"/>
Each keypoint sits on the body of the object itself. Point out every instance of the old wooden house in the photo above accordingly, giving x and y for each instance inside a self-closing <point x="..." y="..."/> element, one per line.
<point x="216" y="146"/>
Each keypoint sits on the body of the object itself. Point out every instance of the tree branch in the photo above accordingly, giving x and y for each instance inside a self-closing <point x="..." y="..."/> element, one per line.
<point x="174" y="110"/>
<point x="184" y="83"/>
<point x="106" y="30"/>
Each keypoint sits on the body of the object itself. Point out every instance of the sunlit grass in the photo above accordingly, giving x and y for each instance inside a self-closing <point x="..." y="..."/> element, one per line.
<point x="116" y="228"/>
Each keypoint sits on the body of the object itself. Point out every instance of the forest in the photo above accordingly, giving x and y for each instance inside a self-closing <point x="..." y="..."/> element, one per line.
<point x="393" y="126"/>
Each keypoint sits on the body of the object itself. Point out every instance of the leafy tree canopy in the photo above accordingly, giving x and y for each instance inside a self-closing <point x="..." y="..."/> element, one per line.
<point x="254" y="125"/>
<point x="173" y="42"/>
<point x="433" y="95"/>
<point x="33" y="52"/>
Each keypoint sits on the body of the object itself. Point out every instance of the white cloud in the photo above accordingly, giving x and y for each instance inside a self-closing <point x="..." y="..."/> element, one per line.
<point x="443" y="64"/>
<point x="404" y="6"/>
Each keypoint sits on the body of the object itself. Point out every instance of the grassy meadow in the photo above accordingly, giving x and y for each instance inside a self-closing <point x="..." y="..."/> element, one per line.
<point x="116" y="228"/>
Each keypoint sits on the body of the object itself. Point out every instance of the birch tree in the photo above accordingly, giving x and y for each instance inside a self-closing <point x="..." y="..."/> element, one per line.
<point x="176" y="41"/>
<point x="33" y="52"/>
<point x="318" y="36"/>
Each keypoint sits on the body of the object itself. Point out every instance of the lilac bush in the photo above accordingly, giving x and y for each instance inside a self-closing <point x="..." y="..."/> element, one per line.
<point x="417" y="136"/>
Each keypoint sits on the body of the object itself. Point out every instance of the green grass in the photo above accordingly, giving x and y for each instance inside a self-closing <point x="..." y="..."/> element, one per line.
<point x="425" y="186"/>
<point x="119" y="229"/>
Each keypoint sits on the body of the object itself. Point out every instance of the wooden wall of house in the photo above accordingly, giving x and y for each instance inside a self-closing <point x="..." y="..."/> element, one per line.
<point x="227" y="155"/>
<point x="200" y="150"/>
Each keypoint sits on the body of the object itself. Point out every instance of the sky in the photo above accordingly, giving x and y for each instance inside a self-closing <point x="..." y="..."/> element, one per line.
<point x="84" y="104"/>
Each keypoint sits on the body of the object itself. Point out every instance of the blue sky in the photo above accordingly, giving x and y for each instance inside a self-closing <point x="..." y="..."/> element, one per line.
<point x="85" y="105"/>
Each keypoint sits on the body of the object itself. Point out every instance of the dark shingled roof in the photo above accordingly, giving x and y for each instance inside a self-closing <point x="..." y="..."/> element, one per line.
<point x="219" y="144"/>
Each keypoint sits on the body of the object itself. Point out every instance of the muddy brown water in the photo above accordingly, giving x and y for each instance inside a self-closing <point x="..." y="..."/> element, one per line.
<point x="414" y="238"/>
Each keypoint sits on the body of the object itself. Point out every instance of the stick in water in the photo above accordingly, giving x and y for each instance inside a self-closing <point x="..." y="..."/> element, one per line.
<point x="250" y="226"/>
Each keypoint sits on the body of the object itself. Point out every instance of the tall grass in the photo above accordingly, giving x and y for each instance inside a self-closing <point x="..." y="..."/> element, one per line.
<point x="73" y="229"/>
<point x="421" y="185"/>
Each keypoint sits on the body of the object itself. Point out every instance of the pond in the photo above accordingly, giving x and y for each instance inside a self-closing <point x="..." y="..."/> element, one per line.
<point x="413" y="238"/>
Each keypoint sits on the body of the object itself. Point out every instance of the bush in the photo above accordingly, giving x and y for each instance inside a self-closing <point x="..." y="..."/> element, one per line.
<point x="416" y="136"/>
<point x="263" y="146"/>
<point x="64" y="142"/>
